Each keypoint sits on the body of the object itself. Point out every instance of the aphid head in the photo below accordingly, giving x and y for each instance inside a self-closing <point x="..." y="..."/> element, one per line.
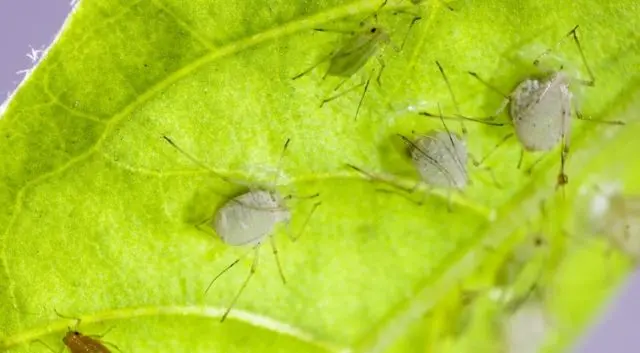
<point x="378" y="34"/>
<point x="70" y="335"/>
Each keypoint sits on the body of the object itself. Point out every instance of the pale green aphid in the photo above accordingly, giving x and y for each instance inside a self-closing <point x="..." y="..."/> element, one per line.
<point x="540" y="109"/>
<point x="617" y="216"/>
<point x="248" y="220"/>
<point x="351" y="56"/>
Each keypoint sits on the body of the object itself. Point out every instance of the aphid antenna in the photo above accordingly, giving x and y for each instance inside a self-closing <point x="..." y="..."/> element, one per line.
<point x="76" y="319"/>
<point x="573" y="34"/>
<point x="505" y="138"/>
<point x="252" y="271"/>
<point x="305" y="72"/>
<point x="505" y="102"/>
<point x="452" y="149"/>
<point x="374" y="14"/>
<point x="453" y="98"/>
<point x="486" y="120"/>
<point x="196" y="161"/>
<point x="373" y="177"/>
<point x="279" y="167"/>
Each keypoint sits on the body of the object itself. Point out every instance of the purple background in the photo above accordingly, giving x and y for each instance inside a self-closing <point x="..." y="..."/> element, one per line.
<point x="33" y="24"/>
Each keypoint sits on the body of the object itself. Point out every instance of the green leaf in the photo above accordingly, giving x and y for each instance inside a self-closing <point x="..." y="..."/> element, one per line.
<point x="100" y="212"/>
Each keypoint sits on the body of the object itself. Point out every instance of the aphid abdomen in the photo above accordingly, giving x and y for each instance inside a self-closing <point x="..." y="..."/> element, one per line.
<point x="79" y="343"/>
<point x="541" y="112"/>
<point x="248" y="218"/>
<point x="355" y="54"/>
<point x="440" y="162"/>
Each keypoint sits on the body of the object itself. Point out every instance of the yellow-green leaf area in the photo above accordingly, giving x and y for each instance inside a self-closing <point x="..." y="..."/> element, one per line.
<point x="101" y="214"/>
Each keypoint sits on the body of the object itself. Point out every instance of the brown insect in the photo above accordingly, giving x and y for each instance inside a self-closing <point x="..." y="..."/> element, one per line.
<point x="79" y="343"/>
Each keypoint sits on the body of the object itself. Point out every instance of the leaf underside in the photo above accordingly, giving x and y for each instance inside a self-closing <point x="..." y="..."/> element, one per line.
<point x="100" y="212"/>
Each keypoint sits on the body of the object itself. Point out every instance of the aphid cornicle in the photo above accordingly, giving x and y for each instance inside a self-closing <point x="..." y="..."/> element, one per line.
<point x="540" y="109"/>
<point x="248" y="220"/>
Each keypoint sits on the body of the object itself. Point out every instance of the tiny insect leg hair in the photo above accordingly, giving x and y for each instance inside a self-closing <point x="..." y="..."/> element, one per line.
<point x="252" y="271"/>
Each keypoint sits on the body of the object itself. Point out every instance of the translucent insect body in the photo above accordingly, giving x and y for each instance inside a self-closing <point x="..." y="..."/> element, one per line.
<point x="248" y="220"/>
<point x="540" y="109"/>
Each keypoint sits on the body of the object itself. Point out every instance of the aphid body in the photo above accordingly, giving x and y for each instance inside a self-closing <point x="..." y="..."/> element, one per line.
<point x="540" y="110"/>
<point x="526" y="329"/>
<point x="357" y="51"/>
<point x="618" y="217"/>
<point x="250" y="217"/>
<point x="79" y="343"/>
<point x="441" y="159"/>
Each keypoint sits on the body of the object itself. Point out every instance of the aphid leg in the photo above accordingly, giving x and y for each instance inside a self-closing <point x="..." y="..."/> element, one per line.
<point x="335" y="30"/>
<point x="49" y="347"/>
<point x="228" y="268"/>
<point x="534" y="164"/>
<point x="364" y="93"/>
<point x="563" y="179"/>
<point x="609" y="122"/>
<point x="453" y="98"/>
<point x="495" y="148"/>
<point x="338" y="95"/>
<point x="274" y="250"/>
<point x="295" y="238"/>
<point x="252" y="271"/>
<point x="382" y="67"/>
<point x="459" y="117"/>
<point x="521" y="158"/>
<point x="573" y="34"/>
<point x="313" y="67"/>
<point x="452" y="148"/>
<point x="414" y="20"/>
<point x="284" y="150"/>
<point x="478" y="164"/>
<point x="112" y="346"/>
